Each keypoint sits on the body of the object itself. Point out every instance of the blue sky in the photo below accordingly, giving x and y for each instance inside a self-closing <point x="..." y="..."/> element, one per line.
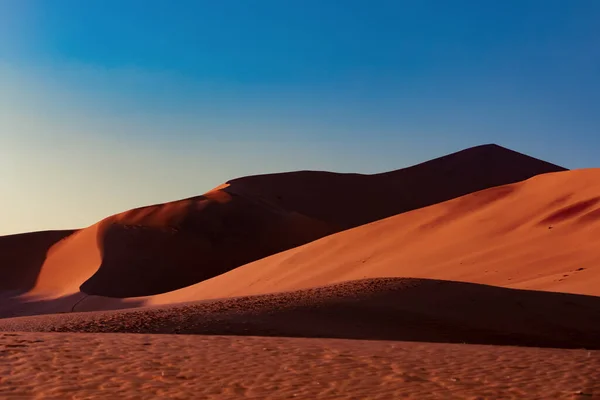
<point x="107" y="105"/>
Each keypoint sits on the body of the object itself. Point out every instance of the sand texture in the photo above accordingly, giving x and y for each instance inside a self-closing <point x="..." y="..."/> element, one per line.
<point x="390" y="309"/>
<point x="126" y="366"/>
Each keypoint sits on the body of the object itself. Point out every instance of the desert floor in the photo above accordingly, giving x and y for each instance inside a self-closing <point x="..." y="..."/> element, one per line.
<point x="139" y="366"/>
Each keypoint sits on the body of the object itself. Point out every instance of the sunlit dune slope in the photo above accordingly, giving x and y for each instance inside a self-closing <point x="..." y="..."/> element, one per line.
<point x="543" y="233"/>
<point x="164" y="247"/>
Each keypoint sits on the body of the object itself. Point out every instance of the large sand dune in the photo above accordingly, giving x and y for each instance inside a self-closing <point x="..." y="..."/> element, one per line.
<point x="543" y="234"/>
<point x="161" y="248"/>
<point x="350" y="200"/>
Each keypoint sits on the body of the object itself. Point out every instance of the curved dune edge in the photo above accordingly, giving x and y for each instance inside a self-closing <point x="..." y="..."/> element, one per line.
<point x="22" y="257"/>
<point x="374" y="309"/>
<point x="541" y="234"/>
<point x="161" y="248"/>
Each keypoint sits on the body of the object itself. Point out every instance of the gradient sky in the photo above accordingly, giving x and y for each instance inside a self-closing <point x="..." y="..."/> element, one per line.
<point x="107" y="105"/>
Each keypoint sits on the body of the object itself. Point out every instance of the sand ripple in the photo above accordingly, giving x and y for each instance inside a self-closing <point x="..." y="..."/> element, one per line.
<point x="130" y="366"/>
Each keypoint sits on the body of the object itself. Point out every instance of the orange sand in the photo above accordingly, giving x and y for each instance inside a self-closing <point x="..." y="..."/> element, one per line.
<point x="541" y="234"/>
<point x="126" y="366"/>
<point x="156" y="249"/>
<point x="22" y="256"/>
<point x="390" y="309"/>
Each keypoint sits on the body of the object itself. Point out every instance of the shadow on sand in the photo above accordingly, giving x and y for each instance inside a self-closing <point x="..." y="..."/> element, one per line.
<point x="376" y="309"/>
<point x="22" y="257"/>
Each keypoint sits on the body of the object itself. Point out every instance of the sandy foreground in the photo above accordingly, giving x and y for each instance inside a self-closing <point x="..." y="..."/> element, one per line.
<point x="80" y="356"/>
<point x="138" y="366"/>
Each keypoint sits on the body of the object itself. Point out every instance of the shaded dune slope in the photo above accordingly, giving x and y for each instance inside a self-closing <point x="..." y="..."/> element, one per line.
<point x="168" y="246"/>
<point x="387" y="309"/>
<point x="350" y="200"/>
<point x="164" y="247"/>
<point x="22" y="257"/>
<point x="154" y="249"/>
<point x="543" y="234"/>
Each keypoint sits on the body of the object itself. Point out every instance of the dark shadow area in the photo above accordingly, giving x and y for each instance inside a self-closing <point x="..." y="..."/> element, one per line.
<point x="351" y="200"/>
<point x="570" y="211"/>
<point x="206" y="239"/>
<point x="376" y="309"/>
<point x="12" y="306"/>
<point x="165" y="247"/>
<point x="22" y="257"/>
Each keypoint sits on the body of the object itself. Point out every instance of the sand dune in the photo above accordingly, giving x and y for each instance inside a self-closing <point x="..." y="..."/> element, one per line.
<point x="22" y="257"/>
<point x="405" y="259"/>
<point x="390" y="309"/>
<point x="543" y="234"/>
<point x="161" y="248"/>
<point x="350" y="200"/>
<point x="101" y="366"/>
<point x="68" y="263"/>
<point x="168" y="246"/>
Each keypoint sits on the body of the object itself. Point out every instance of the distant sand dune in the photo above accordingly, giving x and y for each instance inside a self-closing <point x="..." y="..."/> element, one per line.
<point x="543" y="234"/>
<point x="351" y="200"/>
<point x="161" y="248"/>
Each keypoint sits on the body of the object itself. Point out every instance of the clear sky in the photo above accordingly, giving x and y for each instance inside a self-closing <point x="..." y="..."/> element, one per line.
<point x="107" y="105"/>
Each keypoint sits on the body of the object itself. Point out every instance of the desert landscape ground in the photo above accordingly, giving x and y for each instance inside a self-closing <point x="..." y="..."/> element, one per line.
<point x="474" y="275"/>
<point x="128" y="366"/>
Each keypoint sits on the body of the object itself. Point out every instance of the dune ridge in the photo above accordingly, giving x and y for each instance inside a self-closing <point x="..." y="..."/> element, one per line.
<point x="161" y="248"/>
<point x="541" y="234"/>
<point x="350" y="200"/>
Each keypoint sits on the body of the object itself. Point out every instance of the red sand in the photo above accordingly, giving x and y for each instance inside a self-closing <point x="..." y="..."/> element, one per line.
<point x="541" y="234"/>
<point x="156" y="249"/>
<point x="62" y="366"/>
<point x="22" y="256"/>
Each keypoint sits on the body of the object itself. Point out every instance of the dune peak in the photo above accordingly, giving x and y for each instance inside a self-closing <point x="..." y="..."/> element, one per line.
<point x="164" y="247"/>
